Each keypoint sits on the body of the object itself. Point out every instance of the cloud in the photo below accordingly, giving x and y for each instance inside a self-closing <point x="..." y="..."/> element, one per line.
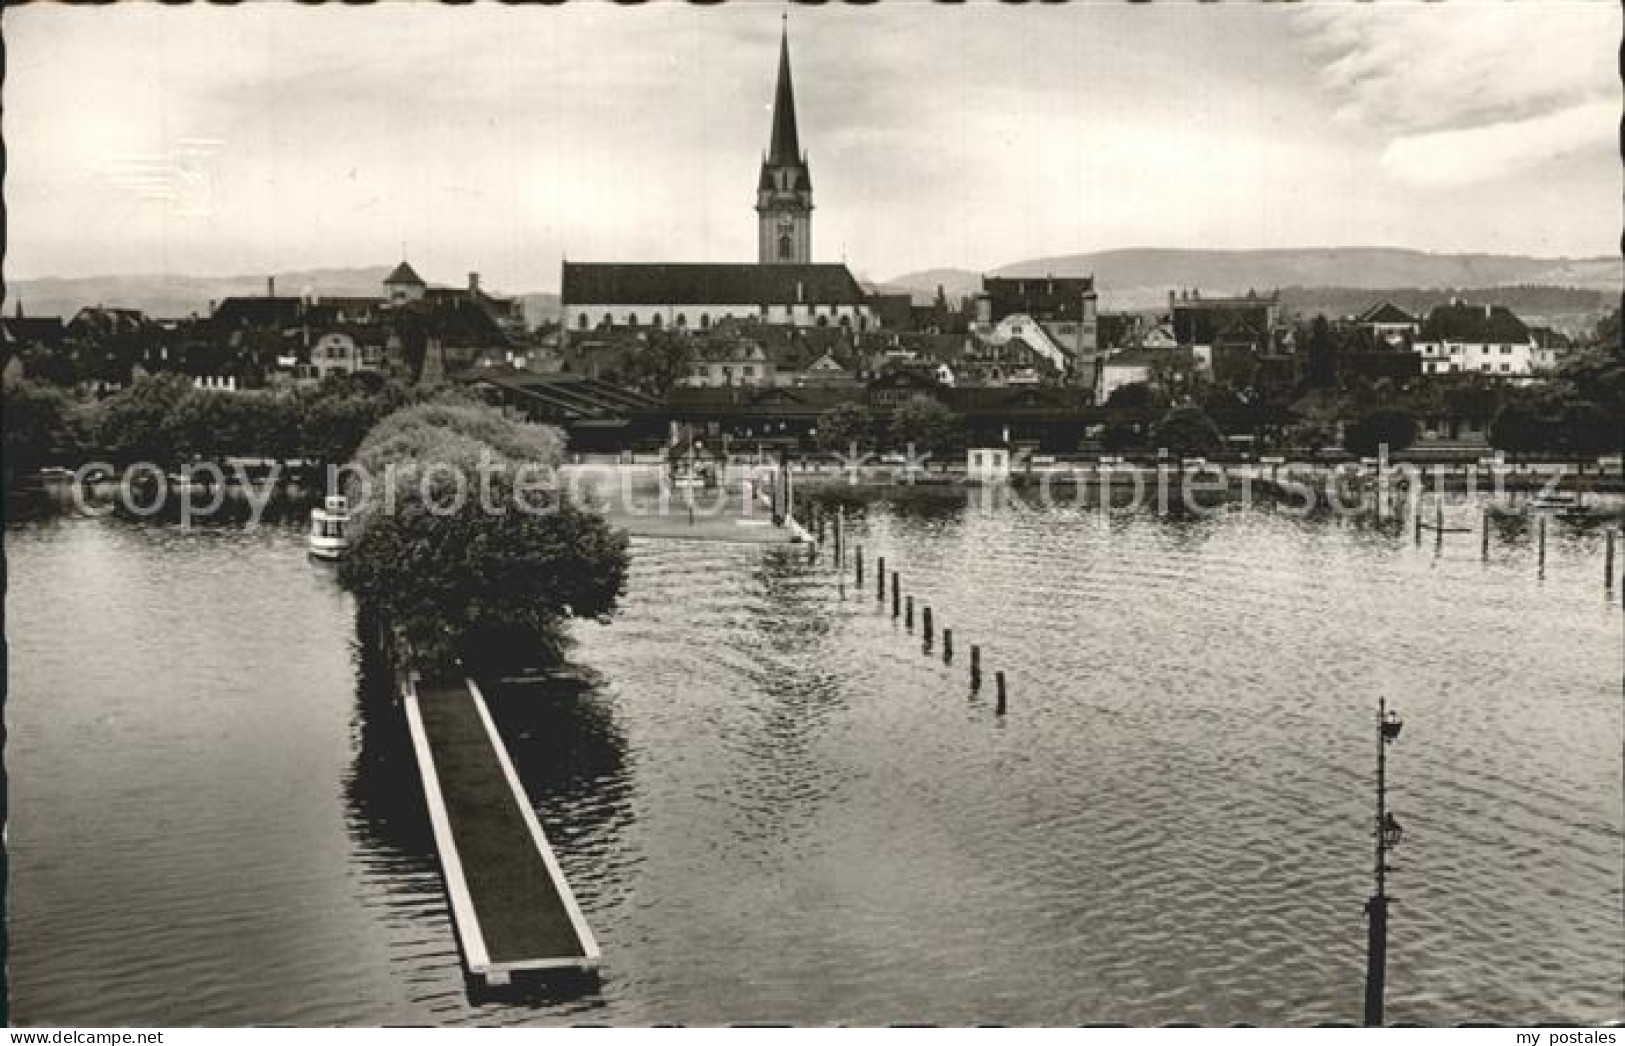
<point x="1469" y="92"/>
<point x="1477" y="154"/>
<point x="1408" y="67"/>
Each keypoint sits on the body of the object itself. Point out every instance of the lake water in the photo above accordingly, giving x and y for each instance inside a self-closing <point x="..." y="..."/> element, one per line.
<point x="773" y="806"/>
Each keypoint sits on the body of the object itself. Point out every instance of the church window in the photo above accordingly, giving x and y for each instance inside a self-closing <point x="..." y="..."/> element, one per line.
<point x="581" y="321"/>
<point x="682" y="319"/>
<point x="631" y="319"/>
<point x="654" y="321"/>
<point x="705" y="321"/>
<point x="786" y="249"/>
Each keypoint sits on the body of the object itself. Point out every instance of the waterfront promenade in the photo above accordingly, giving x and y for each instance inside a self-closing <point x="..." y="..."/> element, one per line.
<point x="637" y="499"/>
<point x="511" y="904"/>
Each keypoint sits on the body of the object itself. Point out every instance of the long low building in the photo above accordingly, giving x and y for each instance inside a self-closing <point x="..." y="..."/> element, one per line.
<point x="696" y="295"/>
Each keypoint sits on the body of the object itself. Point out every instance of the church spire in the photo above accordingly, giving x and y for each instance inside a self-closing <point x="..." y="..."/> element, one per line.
<point x="786" y="145"/>
<point x="784" y="191"/>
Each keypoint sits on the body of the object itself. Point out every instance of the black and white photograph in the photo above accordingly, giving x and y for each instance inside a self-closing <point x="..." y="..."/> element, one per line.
<point x="813" y="515"/>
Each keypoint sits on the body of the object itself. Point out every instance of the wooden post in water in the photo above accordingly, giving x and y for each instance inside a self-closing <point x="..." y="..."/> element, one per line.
<point x="1418" y="521"/>
<point x="1608" y="564"/>
<point x="998" y="678"/>
<point x="812" y="551"/>
<point x="858" y="562"/>
<point x="927" y="627"/>
<point x="975" y="667"/>
<point x="947" y="646"/>
<point x="840" y="537"/>
<point x="1485" y="549"/>
<point x="1438" y="520"/>
<point x="896" y="597"/>
<point x="1543" y="546"/>
<point x="908" y="614"/>
<point x="880" y="579"/>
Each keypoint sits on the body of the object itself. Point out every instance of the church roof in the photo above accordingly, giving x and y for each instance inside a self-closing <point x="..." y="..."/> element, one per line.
<point x="587" y="283"/>
<point x="403" y="274"/>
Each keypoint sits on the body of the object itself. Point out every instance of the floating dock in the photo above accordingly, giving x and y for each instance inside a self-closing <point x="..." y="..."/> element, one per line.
<point x="512" y="908"/>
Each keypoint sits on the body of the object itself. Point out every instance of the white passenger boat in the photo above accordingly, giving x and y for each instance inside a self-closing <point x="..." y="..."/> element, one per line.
<point x="330" y="528"/>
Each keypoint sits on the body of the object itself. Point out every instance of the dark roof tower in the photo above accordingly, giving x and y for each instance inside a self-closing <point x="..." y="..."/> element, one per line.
<point x="784" y="190"/>
<point x="785" y="147"/>
<point x="405" y="276"/>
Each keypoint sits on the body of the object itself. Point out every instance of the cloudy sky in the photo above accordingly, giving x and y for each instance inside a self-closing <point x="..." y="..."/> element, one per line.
<point x="240" y="140"/>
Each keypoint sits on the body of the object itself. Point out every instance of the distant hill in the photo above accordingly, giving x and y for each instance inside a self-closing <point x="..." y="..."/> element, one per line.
<point x="168" y="295"/>
<point x="1141" y="277"/>
<point x="1328" y="278"/>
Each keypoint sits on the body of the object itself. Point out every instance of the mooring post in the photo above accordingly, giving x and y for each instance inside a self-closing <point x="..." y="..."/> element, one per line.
<point x="896" y="596"/>
<point x="1418" y="522"/>
<point x="1608" y="563"/>
<point x="975" y="667"/>
<point x="1543" y="545"/>
<point x="859" y="563"/>
<point x="998" y="678"/>
<point x="947" y="646"/>
<point x="812" y="551"/>
<point x="840" y="537"/>
<point x="1484" y="551"/>
<point x="880" y="579"/>
<point x="927" y="626"/>
<point x="908" y="614"/>
<point x="1438" y="520"/>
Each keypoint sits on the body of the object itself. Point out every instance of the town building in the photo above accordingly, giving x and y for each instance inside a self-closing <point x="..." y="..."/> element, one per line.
<point x="1461" y="338"/>
<point x="1213" y="327"/>
<point x="1054" y="317"/>
<point x="733" y="363"/>
<point x="1389" y="323"/>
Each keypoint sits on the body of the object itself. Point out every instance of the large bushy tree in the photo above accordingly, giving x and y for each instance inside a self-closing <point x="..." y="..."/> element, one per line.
<point x="37" y="427"/>
<point x="1384" y="427"/>
<point x="924" y="422"/>
<point x="843" y="425"/>
<point x="138" y="423"/>
<point x="1187" y="432"/>
<point x="471" y="555"/>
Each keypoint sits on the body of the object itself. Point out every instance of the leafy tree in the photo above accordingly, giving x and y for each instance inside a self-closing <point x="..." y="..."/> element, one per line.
<point x="843" y="425"/>
<point x="1587" y="430"/>
<point x="660" y="365"/>
<point x="1320" y="363"/>
<point x="1519" y="428"/>
<point x="1388" y="426"/>
<point x="36" y="426"/>
<point x="1607" y="334"/>
<point x="924" y="422"/>
<point x="1135" y="395"/>
<point x="1119" y="436"/>
<point x="489" y="580"/>
<point x="135" y="425"/>
<point x="1187" y="432"/>
<point x="331" y="428"/>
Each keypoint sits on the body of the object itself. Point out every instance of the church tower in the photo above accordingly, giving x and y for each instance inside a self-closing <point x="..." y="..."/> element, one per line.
<point x="784" y="192"/>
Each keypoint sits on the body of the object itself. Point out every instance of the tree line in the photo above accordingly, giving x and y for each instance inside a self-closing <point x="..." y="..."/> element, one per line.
<point x="164" y="419"/>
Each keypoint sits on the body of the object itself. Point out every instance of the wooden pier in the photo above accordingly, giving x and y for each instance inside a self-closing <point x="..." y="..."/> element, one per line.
<point x="510" y="903"/>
